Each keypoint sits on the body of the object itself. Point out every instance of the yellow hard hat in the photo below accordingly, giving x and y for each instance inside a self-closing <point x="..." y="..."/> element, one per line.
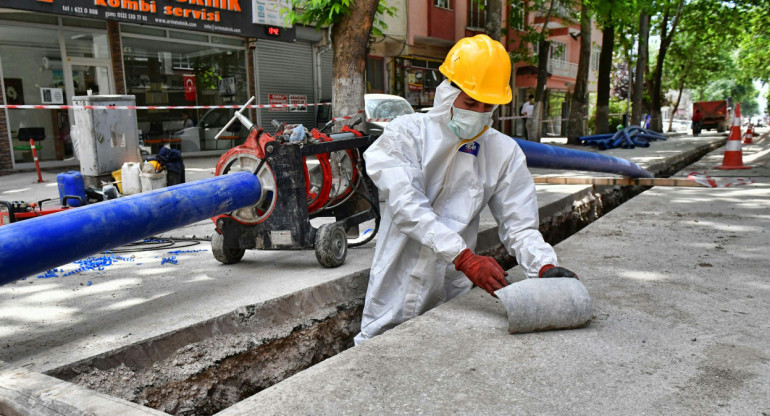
<point x="155" y="164"/>
<point x="480" y="66"/>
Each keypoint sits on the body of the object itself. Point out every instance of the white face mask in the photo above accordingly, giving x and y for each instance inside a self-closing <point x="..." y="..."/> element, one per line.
<point x="466" y="124"/>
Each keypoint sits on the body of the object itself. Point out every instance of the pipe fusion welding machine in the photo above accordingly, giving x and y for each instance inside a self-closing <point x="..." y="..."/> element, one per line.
<point x="303" y="175"/>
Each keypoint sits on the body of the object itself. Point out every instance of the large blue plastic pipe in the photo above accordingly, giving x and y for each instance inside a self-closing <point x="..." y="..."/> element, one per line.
<point x="545" y="156"/>
<point x="39" y="244"/>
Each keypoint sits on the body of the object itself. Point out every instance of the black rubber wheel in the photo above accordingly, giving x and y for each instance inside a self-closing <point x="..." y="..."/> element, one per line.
<point x="331" y="245"/>
<point x="225" y="255"/>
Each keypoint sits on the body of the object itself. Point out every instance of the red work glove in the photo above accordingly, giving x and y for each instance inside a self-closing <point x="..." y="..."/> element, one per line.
<point x="483" y="271"/>
<point x="549" y="270"/>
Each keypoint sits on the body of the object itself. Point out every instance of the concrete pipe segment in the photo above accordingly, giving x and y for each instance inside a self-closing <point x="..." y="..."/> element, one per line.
<point x="42" y="243"/>
<point x="546" y="304"/>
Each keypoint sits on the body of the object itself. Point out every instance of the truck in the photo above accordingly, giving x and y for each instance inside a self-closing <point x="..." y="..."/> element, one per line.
<point x="716" y="114"/>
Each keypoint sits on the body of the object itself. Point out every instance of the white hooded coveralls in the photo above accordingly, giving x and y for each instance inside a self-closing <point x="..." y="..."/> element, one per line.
<point x="434" y="192"/>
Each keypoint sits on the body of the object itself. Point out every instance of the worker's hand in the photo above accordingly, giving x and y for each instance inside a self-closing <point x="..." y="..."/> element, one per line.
<point x="549" y="270"/>
<point x="483" y="271"/>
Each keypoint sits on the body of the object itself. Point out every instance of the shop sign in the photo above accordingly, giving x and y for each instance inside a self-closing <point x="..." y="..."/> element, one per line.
<point x="299" y="100"/>
<point x="247" y="18"/>
<point x="278" y="99"/>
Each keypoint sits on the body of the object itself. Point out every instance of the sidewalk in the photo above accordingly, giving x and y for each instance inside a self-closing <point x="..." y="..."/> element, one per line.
<point x="49" y="323"/>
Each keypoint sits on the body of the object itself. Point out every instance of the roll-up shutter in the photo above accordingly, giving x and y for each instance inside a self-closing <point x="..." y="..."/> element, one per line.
<point x="285" y="69"/>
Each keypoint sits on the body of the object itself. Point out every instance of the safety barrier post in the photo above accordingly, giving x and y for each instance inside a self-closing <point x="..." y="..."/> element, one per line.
<point x="37" y="163"/>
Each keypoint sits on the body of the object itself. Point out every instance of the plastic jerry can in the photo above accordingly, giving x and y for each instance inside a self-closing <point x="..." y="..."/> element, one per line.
<point x="71" y="183"/>
<point x="129" y="175"/>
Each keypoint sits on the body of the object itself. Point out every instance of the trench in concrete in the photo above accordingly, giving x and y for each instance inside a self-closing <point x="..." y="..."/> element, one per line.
<point x="212" y="365"/>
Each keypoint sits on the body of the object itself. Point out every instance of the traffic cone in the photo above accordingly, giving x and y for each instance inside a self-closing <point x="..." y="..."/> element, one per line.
<point x="748" y="138"/>
<point x="733" y="154"/>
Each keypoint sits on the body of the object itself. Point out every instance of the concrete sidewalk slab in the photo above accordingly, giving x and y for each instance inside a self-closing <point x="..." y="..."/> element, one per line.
<point x="681" y="298"/>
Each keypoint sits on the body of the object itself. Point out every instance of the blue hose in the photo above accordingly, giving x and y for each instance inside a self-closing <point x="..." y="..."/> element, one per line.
<point x="39" y="244"/>
<point x="552" y="157"/>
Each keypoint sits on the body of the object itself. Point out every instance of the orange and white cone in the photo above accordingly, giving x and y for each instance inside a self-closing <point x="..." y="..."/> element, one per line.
<point x="748" y="138"/>
<point x="733" y="154"/>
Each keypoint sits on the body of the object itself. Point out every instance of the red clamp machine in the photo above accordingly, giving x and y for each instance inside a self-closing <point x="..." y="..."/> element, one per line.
<point x="303" y="175"/>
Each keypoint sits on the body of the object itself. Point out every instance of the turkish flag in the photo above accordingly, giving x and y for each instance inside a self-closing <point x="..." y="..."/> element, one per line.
<point x="189" y="88"/>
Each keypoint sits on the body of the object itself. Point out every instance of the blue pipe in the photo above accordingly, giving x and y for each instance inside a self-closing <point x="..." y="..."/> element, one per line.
<point x="38" y="244"/>
<point x="551" y="157"/>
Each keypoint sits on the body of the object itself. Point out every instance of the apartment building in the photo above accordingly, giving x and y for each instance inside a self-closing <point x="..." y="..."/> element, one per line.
<point x="405" y="60"/>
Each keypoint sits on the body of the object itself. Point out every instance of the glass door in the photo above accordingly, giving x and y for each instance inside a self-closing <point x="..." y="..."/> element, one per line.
<point x="85" y="77"/>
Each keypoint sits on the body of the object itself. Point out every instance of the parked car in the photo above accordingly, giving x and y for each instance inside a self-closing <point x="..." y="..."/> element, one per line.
<point x="384" y="106"/>
<point x="201" y="136"/>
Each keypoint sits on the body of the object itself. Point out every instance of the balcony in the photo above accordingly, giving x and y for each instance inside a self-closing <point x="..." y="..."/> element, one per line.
<point x="562" y="68"/>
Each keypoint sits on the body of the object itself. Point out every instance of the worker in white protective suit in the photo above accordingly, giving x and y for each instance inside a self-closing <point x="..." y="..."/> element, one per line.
<point x="436" y="172"/>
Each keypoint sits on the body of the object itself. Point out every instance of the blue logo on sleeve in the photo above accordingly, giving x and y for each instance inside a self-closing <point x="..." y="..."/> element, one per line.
<point x="472" y="148"/>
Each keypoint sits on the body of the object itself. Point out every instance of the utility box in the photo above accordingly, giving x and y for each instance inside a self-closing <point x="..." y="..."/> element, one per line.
<point x="104" y="139"/>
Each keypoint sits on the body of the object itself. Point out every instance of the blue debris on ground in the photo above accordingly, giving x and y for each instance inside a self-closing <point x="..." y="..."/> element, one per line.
<point x="88" y="264"/>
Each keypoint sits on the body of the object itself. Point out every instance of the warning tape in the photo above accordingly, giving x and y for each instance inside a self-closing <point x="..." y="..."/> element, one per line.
<point x="511" y="117"/>
<point x="176" y="107"/>
<point x="150" y="107"/>
<point x="706" y="180"/>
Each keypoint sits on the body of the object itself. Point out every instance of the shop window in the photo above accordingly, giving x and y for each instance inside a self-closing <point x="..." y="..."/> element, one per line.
<point x="33" y="72"/>
<point x="477" y="14"/>
<point x="416" y="80"/>
<point x="375" y="76"/>
<point x="169" y="73"/>
<point x="86" y="45"/>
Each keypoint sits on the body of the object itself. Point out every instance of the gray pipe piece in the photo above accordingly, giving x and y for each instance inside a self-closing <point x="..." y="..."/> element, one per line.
<point x="535" y="305"/>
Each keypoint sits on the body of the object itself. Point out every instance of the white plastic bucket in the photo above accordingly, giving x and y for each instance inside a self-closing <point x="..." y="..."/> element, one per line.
<point x="152" y="181"/>
<point x="129" y="176"/>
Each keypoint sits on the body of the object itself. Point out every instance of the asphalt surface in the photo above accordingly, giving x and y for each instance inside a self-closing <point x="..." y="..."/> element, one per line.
<point x="656" y="268"/>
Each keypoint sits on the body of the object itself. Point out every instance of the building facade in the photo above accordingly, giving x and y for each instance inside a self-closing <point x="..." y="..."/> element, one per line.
<point x="418" y="38"/>
<point x="162" y="52"/>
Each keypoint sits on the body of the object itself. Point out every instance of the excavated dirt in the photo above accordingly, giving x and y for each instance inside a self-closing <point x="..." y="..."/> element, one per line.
<point x="190" y="383"/>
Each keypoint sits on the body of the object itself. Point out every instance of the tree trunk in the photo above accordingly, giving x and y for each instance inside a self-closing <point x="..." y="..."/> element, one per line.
<point x="350" y="38"/>
<point x="656" y="94"/>
<point x="579" y="104"/>
<point x="678" y="100"/>
<point x="641" y="64"/>
<point x="603" y="83"/>
<point x="494" y="19"/>
<point x="543" y="55"/>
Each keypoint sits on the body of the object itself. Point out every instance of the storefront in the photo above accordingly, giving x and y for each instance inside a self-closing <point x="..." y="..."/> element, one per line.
<point x="162" y="54"/>
<point x="165" y="67"/>
<point x="45" y="59"/>
<point x="416" y="79"/>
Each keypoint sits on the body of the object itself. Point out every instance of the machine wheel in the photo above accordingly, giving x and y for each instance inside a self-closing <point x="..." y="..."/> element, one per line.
<point x="225" y="255"/>
<point x="331" y="245"/>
